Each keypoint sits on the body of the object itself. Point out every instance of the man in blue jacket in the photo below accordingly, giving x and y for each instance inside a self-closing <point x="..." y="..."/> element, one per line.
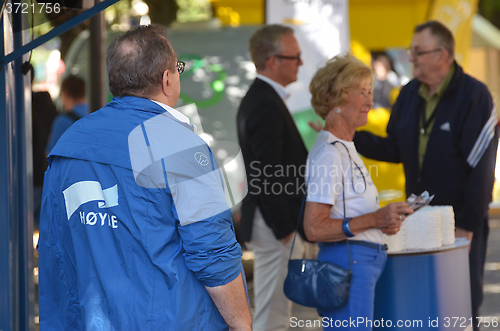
<point x="75" y="106"/>
<point x="135" y="230"/>
<point x="443" y="128"/>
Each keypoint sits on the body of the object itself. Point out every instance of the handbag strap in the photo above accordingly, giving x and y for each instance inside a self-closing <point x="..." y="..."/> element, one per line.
<point x="343" y="198"/>
<point x="298" y="223"/>
<point x="304" y="203"/>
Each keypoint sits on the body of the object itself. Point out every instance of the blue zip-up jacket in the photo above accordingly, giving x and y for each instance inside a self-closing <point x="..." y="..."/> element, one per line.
<point x="134" y="225"/>
<point x="459" y="162"/>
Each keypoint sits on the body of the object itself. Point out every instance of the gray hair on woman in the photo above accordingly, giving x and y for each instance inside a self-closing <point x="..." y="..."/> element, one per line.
<point x="331" y="84"/>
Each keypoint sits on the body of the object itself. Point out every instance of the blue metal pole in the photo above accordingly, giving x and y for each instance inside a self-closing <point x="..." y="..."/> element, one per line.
<point x="5" y="132"/>
<point x="16" y="250"/>
<point x="22" y="222"/>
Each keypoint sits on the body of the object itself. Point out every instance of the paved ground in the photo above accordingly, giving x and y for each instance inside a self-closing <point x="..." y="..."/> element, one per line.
<point x="491" y="305"/>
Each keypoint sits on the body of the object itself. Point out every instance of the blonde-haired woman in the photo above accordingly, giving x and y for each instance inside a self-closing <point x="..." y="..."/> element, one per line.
<point x="342" y="201"/>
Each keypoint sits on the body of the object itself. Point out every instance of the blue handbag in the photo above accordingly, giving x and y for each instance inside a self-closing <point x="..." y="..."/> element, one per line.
<point x="317" y="284"/>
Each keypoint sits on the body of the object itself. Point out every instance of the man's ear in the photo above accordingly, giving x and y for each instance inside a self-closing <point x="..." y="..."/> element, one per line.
<point x="166" y="84"/>
<point x="444" y="56"/>
<point x="271" y="62"/>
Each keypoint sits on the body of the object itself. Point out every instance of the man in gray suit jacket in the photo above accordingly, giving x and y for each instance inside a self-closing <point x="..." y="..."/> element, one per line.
<point x="275" y="158"/>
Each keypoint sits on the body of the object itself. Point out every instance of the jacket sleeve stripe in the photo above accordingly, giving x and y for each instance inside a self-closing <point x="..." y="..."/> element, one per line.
<point x="484" y="139"/>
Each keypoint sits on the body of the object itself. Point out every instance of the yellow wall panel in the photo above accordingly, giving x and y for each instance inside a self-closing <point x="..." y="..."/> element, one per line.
<point x="457" y="16"/>
<point x="384" y="24"/>
<point x="238" y="12"/>
<point x="478" y="61"/>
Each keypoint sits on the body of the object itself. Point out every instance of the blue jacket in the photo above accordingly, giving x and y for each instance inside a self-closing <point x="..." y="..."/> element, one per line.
<point x="134" y="225"/>
<point x="459" y="162"/>
<point x="62" y="122"/>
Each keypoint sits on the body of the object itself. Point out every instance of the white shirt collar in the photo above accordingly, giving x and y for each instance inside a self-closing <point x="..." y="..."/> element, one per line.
<point x="280" y="89"/>
<point x="330" y="138"/>
<point x="175" y="113"/>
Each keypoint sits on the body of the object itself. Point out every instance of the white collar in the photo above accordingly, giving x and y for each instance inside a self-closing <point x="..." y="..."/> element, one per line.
<point x="280" y="89"/>
<point x="330" y="138"/>
<point x="175" y="113"/>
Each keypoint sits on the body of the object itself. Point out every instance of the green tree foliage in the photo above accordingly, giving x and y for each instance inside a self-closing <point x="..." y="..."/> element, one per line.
<point x="163" y="12"/>
<point x="490" y="9"/>
<point x="118" y="13"/>
<point x="194" y="10"/>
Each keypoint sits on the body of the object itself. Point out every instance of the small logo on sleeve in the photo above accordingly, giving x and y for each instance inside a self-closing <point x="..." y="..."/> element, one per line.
<point x="201" y="158"/>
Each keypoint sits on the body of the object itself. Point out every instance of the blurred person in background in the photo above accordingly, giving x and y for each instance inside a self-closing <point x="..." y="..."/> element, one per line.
<point x="74" y="105"/>
<point x="270" y="141"/>
<point x="43" y="113"/>
<point x="384" y="83"/>
<point x="443" y="128"/>
<point x="337" y="179"/>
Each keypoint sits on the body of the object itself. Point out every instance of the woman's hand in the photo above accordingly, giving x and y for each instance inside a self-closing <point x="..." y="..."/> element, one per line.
<point x="391" y="217"/>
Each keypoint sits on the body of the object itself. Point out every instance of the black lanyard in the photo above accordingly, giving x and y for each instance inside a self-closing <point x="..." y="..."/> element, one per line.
<point x="352" y="170"/>
<point x="426" y="124"/>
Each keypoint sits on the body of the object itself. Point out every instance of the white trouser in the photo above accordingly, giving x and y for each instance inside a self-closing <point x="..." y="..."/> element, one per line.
<point x="272" y="308"/>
